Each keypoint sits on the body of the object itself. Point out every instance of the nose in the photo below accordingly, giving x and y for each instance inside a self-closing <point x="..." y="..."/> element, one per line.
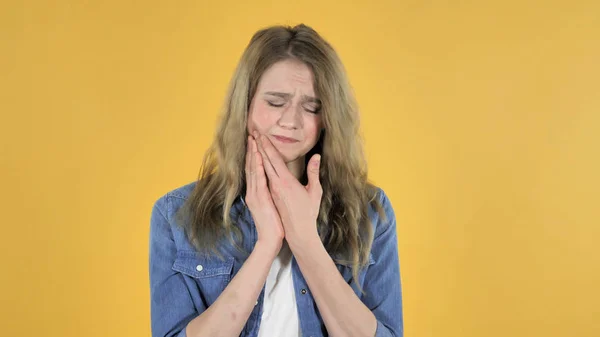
<point x="291" y="117"/>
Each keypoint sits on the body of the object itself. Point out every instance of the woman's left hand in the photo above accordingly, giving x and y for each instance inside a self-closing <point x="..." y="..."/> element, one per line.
<point x="297" y="205"/>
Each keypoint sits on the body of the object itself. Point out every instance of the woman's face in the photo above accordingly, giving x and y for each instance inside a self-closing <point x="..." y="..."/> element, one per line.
<point x="285" y="105"/>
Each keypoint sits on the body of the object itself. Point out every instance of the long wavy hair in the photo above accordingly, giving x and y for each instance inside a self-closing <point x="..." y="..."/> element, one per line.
<point x="343" y="222"/>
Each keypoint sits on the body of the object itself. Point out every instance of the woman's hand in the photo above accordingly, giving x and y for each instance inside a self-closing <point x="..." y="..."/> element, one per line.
<point x="298" y="205"/>
<point x="266" y="218"/>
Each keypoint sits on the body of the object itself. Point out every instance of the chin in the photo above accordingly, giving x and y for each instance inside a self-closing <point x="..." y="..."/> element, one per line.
<point x="289" y="157"/>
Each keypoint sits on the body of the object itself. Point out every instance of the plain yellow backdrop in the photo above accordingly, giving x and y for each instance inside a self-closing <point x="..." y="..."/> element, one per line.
<point x="481" y="121"/>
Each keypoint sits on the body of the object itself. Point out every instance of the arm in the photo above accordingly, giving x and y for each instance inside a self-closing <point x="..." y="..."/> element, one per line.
<point x="343" y="312"/>
<point x="331" y="292"/>
<point x="172" y="310"/>
<point x="382" y="283"/>
<point x="380" y="311"/>
<point x="228" y="315"/>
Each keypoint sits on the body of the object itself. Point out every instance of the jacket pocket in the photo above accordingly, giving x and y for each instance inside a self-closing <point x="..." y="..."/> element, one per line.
<point x="210" y="274"/>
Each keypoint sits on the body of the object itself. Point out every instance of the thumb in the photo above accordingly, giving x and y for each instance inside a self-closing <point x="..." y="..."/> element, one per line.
<point x="314" y="164"/>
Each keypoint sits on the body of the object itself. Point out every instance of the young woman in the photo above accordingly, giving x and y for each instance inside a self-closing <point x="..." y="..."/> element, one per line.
<point x="282" y="234"/>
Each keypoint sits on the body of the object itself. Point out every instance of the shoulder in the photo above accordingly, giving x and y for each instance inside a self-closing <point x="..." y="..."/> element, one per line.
<point x="173" y="199"/>
<point x="168" y="222"/>
<point x="381" y="211"/>
<point x="182" y="192"/>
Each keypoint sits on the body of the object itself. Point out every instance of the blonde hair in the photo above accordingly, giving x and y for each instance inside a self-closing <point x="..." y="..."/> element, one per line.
<point x="343" y="222"/>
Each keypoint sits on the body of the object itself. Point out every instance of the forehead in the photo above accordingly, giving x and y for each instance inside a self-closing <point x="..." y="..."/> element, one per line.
<point x="289" y="76"/>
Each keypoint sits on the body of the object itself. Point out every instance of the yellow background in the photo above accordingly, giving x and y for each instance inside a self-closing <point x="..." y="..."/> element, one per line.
<point x="481" y="120"/>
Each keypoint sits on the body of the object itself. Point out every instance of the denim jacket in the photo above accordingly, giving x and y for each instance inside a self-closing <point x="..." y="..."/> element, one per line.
<point x="184" y="283"/>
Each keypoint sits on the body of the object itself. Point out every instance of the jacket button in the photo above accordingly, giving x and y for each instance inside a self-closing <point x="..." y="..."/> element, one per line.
<point x="303" y="291"/>
<point x="199" y="267"/>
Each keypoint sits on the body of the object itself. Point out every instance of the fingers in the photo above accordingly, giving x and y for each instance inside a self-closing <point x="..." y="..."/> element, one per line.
<point x="313" y="165"/>
<point x="314" y="185"/>
<point x="248" y="166"/>
<point x="252" y="171"/>
<point x="248" y="158"/>
<point x="274" y="158"/>
<point x="259" y="171"/>
<point x="268" y="166"/>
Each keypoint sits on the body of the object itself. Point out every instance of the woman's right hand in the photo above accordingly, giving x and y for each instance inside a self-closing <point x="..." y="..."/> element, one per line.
<point x="258" y="199"/>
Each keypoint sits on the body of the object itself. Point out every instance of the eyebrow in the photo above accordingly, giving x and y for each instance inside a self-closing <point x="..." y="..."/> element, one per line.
<point x="287" y="95"/>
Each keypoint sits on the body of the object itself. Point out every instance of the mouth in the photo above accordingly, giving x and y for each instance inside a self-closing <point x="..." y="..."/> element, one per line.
<point x="283" y="139"/>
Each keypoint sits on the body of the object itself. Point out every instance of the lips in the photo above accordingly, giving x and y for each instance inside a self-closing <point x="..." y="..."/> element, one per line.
<point x="285" y="139"/>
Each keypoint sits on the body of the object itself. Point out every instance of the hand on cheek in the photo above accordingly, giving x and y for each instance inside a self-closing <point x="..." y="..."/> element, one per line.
<point x="297" y="205"/>
<point x="259" y="201"/>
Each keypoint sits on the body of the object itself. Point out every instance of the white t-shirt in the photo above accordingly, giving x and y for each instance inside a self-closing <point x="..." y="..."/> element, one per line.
<point x="280" y="315"/>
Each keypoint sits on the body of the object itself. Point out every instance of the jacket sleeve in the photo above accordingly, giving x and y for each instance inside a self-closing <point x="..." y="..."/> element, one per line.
<point x="171" y="306"/>
<point x="382" y="286"/>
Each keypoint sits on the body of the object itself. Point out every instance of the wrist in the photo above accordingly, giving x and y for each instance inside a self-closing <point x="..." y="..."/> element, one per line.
<point x="268" y="249"/>
<point x="303" y="240"/>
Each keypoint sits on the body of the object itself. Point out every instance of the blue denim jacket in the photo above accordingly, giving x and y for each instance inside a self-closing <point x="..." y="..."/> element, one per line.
<point x="184" y="283"/>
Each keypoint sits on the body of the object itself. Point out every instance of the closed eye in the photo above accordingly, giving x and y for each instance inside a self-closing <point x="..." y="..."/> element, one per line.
<point x="275" y="105"/>
<point x="280" y="105"/>
<point x="313" y="111"/>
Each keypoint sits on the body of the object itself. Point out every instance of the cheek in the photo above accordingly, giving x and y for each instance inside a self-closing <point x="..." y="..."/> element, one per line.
<point x="312" y="127"/>
<point x="260" y="119"/>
